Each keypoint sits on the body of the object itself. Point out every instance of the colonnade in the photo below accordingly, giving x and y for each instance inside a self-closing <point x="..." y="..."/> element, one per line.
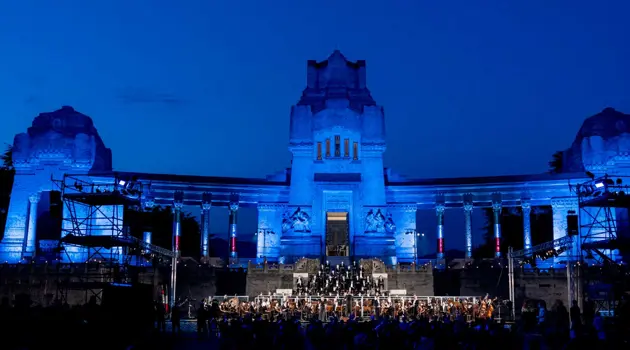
<point x="206" y="206"/>
<point x="561" y="207"/>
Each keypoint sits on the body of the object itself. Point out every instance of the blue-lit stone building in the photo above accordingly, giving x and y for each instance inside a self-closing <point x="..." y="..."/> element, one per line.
<point x="337" y="200"/>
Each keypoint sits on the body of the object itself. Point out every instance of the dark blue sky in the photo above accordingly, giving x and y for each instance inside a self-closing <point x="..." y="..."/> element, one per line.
<point x="200" y="87"/>
<point x="205" y="87"/>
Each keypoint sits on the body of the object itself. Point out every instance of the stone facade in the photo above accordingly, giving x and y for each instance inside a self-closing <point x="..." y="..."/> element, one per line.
<point x="337" y="139"/>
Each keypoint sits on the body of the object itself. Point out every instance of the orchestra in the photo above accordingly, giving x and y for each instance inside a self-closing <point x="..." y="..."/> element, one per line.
<point x="350" y="291"/>
<point x="276" y="307"/>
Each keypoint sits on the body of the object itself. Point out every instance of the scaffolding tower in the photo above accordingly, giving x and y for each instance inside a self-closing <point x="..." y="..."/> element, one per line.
<point x="95" y="244"/>
<point x="604" y="229"/>
<point x="528" y="256"/>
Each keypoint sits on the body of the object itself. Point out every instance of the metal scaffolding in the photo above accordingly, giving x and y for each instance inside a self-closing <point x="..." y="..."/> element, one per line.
<point x="527" y="256"/>
<point x="94" y="234"/>
<point x="603" y="214"/>
<point x="604" y="229"/>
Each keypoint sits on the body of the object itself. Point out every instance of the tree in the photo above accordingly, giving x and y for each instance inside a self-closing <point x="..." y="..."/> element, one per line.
<point x="7" y="158"/>
<point x="7" y="174"/>
<point x="511" y="232"/>
<point x="556" y="164"/>
<point x="159" y="222"/>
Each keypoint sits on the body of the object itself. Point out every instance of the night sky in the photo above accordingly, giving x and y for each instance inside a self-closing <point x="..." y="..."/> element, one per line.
<point x="470" y="88"/>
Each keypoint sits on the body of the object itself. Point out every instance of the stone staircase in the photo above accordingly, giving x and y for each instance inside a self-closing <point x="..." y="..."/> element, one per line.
<point x="337" y="260"/>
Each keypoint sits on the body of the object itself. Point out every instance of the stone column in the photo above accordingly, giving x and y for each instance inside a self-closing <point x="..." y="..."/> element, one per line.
<point x="178" y="204"/>
<point x="496" y="208"/>
<point x="468" y="208"/>
<point x="439" y="212"/>
<point x="206" y="205"/>
<point x="177" y="224"/>
<point x="526" y="206"/>
<point x="31" y="232"/>
<point x="233" y="228"/>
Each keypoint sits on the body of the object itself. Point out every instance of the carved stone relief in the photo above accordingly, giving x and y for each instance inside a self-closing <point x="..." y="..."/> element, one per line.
<point x="296" y="221"/>
<point x="308" y="265"/>
<point x="377" y="222"/>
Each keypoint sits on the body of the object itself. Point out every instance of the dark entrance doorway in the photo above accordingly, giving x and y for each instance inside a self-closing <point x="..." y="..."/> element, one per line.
<point x="337" y="235"/>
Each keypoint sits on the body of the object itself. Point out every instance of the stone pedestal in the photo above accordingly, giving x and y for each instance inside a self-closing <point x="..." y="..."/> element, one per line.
<point x="298" y="239"/>
<point x="295" y="246"/>
<point x="380" y="246"/>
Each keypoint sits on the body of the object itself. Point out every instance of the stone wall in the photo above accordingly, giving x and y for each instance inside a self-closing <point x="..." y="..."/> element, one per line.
<point x="47" y="282"/>
<point x="548" y="285"/>
<point x="267" y="277"/>
<point x="418" y="281"/>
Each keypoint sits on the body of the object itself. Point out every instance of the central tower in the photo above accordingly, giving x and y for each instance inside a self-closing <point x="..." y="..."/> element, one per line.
<point x="337" y="205"/>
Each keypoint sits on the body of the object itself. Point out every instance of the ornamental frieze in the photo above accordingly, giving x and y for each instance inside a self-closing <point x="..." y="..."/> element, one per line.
<point x="565" y="203"/>
<point x="271" y="207"/>
<point x="405" y="208"/>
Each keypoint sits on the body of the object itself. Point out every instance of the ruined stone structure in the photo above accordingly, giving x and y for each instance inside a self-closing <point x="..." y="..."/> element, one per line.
<point x="337" y="200"/>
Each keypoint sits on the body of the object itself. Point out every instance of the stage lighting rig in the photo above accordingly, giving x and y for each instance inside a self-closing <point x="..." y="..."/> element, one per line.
<point x="130" y="189"/>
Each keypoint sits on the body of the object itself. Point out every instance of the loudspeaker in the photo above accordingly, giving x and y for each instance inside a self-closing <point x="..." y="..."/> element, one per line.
<point x="573" y="225"/>
<point x="56" y="204"/>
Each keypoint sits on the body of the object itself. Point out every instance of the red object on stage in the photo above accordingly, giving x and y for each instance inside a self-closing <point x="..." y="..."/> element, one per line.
<point x="233" y="244"/>
<point x="177" y="243"/>
<point x="440" y="245"/>
<point x="498" y="244"/>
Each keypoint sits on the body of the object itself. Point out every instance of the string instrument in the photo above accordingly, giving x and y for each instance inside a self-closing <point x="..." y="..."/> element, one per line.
<point x="483" y="311"/>
<point x="368" y="306"/>
<point x="490" y="307"/>
<point x="314" y="306"/>
<point x="329" y="307"/>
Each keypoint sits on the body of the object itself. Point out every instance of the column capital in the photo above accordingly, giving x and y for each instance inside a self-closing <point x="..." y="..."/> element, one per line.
<point x="271" y="206"/>
<point x="34" y="198"/>
<point x="439" y="208"/>
<point x="570" y="203"/>
<point x="233" y="202"/>
<point x="149" y="203"/>
<point x="526" y="204"/>
<point x="178" y="206"/>
<point x="178" y="199"/>
<point x="497" y="201"/>
<point x="206" y="206"/>
<point x="407" y="208"/>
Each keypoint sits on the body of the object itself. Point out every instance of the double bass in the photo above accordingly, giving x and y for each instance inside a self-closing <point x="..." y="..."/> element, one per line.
<point x="490" y="307"/>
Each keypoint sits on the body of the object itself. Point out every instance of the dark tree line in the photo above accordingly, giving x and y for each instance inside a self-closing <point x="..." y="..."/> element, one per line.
<point x="512" y="230"/>
<point x="7" y="174"/>
<point x="556" y="164"/>
<point x="159" y="221"/>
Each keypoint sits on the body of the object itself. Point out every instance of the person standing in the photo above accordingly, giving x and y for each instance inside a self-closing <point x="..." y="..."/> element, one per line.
<point x="575" y="315"/>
